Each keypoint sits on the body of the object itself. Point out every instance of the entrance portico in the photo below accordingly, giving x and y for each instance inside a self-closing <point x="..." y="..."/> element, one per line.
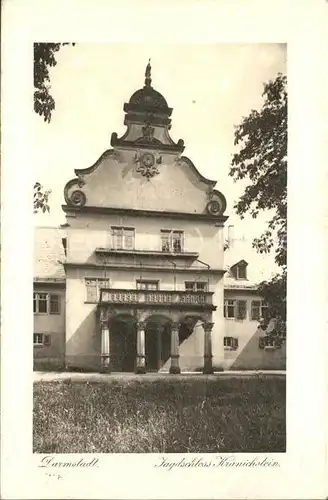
<point x="143" y="336"/>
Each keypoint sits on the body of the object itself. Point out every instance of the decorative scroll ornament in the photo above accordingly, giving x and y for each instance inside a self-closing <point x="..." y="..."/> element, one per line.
<point x="214" y="207"/>
<point x="217" y="203"/>
<point x="78" y="198"/>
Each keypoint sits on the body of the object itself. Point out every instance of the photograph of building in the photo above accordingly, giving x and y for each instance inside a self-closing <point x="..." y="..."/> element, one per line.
<point x="146" y="274"/>
<point x="159" y="309"/>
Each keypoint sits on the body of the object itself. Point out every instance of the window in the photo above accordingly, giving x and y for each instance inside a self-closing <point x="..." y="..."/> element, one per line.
<point x="64" y="243"/>
<point x="46" y="303"/>
<point x="230" y="343"/>
<point x="41" y="339"/>
<point x="229" y="308"/>
<point x="54" y="304"/>
<point x="241" y="272"/>
<point x="241" y="309"/>
<point x="259" y="310"/>
<point x="172" y="241"/>
<point x="123" y="238"/>
<point x="147" y="285"/>
<point x="269" y="342"/>
<point x="42" y="302"/>
<point x="93" y="286"/>
<point x="195" y="286"/>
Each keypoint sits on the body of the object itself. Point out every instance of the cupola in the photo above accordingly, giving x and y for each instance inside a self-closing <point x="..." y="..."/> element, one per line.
<point x="147" y="117"/>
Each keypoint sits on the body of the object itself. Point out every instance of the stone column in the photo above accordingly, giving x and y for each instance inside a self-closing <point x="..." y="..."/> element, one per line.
<point x="208" y="368"/>
<point x="105" y="347"/>
<point x="175" y="368"/>
<point x="159" y="333"/>
<point x="141" y="352"/>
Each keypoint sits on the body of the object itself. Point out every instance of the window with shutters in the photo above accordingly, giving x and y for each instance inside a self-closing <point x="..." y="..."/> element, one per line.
<point x="46" y="303"/>
<point x="172" y="241"/>
<point x="41" y="339"/>
<point x="259" y="310"/>
<point x="93" y="287"/>
<point x="230" y="343"/>
<point x="229" y="308"/>
<point x="147" y="285"/>
<point x="123" y="238"/>
<point x="54" y="304"/>
<point x="270" y="342"/>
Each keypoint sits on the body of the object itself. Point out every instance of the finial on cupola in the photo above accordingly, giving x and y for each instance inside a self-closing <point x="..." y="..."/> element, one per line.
<point x="148" y="75"/>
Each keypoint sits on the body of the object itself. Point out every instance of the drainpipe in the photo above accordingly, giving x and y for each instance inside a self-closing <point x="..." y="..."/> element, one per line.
<point x="140" y="263"/>
<point x="208" y="268"/>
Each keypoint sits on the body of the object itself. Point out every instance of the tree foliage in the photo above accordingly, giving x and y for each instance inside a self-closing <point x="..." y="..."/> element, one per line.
<point x="40" y="199"/>
<point x="44" y="103"/>
<point x="44" y="59"/>
<point x="261" y="159"/>
<point x="274" y="293"/>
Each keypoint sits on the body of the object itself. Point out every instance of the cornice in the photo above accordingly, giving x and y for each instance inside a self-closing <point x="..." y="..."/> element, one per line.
<point x="124" y="267"/>
<point x="148" y="213"/>
<point x="139" y="144"/>
<point x="53" y="282"/>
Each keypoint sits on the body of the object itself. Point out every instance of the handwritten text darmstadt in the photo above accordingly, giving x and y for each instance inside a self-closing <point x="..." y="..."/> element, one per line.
<point x="51" y="462"/>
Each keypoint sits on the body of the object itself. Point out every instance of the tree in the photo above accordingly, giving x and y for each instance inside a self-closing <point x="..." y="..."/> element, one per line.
<point x="44" y="103"/>
<point x="44" y="59"/>
<point x="262" y="159"/>
<point x="40" y="199"/>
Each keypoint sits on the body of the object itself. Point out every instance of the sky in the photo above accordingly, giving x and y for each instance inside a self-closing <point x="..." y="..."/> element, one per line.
<point x="210" y="88"/>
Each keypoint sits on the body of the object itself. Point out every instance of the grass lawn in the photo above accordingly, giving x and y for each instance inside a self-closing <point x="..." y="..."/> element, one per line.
<point x="199" y="415"/>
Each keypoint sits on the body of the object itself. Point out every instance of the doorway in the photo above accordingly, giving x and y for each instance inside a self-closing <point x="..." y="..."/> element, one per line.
<point x="157" y="345"/>
<point x="123" y="345"/>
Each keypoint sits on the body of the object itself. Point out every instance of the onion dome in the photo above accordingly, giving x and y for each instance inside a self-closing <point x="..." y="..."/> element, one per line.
<point x="147" y="101"/>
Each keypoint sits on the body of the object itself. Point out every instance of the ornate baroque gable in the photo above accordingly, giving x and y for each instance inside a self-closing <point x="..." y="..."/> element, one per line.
<point x="145" y="169"/>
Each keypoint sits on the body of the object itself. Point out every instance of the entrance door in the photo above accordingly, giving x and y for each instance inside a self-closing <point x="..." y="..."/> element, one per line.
<point x="152" y="348"/>
<point x="165" y="341"/>
<point x="123" y="346"/>
<point x="158" y="342"/>
<point x="129" y="350"/>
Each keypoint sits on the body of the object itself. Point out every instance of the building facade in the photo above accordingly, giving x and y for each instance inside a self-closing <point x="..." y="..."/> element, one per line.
<point x="49" y="299"/>
<point x="141" y="283"/>
<point x="250" y="339"/>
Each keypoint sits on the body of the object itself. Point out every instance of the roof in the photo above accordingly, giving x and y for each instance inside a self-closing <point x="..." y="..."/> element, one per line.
<point x="49" y="254"/>
<point x="148" y="97"/>
<point x="261" y="267"/>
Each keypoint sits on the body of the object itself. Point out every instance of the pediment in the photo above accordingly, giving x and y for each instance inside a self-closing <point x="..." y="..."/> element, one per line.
<point x="240" y="263"/>
<point x="144" y="180"/>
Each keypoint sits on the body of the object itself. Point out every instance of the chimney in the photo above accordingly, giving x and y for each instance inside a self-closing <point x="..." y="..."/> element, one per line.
<point x="231" y="236"/>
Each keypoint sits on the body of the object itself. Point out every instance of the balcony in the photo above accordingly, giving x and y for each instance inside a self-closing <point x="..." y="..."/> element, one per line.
<point x="147" y="253"/>
<point x="157" y="298"/>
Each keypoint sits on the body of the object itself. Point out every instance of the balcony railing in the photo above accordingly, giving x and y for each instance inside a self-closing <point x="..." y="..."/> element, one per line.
<point x="156" y="297"/>
<point x="144" y="252"/>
